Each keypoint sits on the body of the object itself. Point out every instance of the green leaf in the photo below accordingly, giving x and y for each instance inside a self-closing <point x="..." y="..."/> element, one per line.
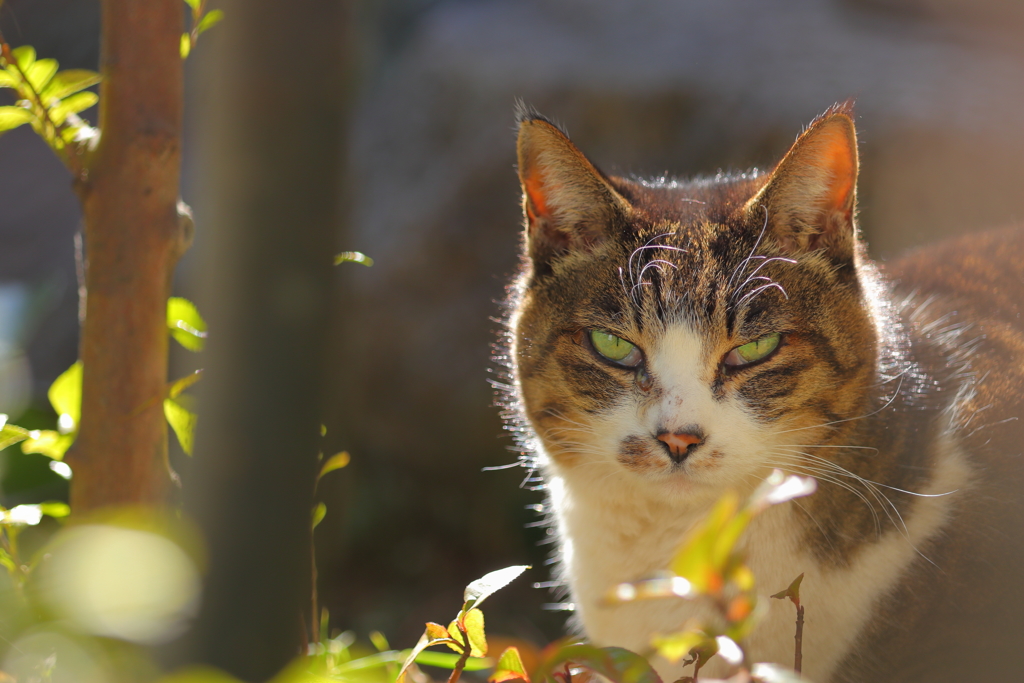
<point x="319" y="512"/>
<point x="694" y="561"/>
<point x="353" y="257"/>
<point x="182" y="421"/>
<point x="473" y="622"/>
<point x="10" y="434"/>
<point x="69" y="82"/>
<point x="185" y="323"/>
<point x="25" y="56"/>
<point x="509" y="668"/>
<point x="185" y="47"/>
<point x="447" y="660"/>
<point x="72" y="105"/>
<point x="482" y="588"/>
<point x="55" y="508"/>
<point x="677" y="645"/>
<point x="8" y="80"/>
<point x="378" y="639"/>
<point x="793" y="592"/>
<point x="12" y="117"/>
<point x="40" y="73"/>
<point x="335" y="462"/>
<point x="180" y="385"/>
<point x="210" y="20"/>
<point x="65" y="395"/>
<point x="48" y="442"/>
<point x="194" y="4"/>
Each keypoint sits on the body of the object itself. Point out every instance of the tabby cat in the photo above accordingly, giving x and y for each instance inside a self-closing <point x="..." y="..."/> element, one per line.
<point x="672" y="340"/>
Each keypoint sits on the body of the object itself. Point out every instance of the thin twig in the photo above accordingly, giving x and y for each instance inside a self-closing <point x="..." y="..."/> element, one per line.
<point x="461" y="664"/>
<point x="798" y="655"/>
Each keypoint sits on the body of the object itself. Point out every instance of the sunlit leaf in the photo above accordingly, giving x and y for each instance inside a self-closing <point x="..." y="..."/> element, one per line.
<point x="72" y="105"/>
<point x="10" y="434"/>
<point x="378" y="639"/>
<point x="182" y="421"/>
<point x="48" y="442"/>
<point x="69" y="82"/>
<point x="353" y="257"/>
<point x="65" y="393"/>
<point x="55" y="508"/>
<point x="25" y="56"/>
<point x="209" y="20"/>
<point x="473" y="622"/>
<point x="8" y="80"/>
<point x="12" y="117"/>
<point x="695" y="559"/>
<point x="180" y="385"/>
<point x="335" y="462"/>
<point x="479" y="590"/>
<point x="185" y="323"/>
<point x="185" y="47"/>
<point x="436" y="631"/>
<point x="792" y="592"/>
<point x="40" y="73"/>
<point x="319" y="512"/>
<point x="677" y="645"/>
<point x="509" y="668"/>
<point x="447" y="660"/>
<point x="22" y="515"/>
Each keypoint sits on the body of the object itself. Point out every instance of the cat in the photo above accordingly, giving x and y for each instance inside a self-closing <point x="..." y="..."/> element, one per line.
<point x="669" y="341"/>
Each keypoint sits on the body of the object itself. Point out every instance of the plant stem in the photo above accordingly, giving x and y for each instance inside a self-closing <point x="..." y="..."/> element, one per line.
<point x="461" y="664"/>
<point x="798" y="656"/>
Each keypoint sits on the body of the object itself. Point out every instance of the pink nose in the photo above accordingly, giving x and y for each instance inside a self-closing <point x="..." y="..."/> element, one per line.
<point x="680" y="442"/>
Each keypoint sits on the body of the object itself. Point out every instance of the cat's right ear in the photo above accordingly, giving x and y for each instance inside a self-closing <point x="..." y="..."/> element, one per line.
<point x="569" y="205"/>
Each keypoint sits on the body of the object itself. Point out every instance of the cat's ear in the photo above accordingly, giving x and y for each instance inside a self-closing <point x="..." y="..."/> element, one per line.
<point x="569" y="205"/>
<point x="810" y="198"/>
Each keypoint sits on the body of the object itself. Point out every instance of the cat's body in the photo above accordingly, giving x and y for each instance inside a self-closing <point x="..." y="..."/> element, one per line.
<point x="671" y="341"/>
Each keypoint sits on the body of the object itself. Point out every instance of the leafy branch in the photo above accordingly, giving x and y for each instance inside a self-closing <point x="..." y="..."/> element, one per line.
<point x="50" y="101"/>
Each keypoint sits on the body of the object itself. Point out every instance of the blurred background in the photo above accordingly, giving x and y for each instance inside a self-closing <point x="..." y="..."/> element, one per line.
<point x="646" y="88"/>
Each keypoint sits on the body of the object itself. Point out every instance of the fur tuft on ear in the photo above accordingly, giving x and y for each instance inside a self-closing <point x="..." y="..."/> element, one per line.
<point x="569" y="205"/>
<point x="811" y="196"/>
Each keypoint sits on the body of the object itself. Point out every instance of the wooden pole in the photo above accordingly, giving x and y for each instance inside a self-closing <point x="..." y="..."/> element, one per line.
<point x="271" y="145"/>
<point x="133" y="241"/>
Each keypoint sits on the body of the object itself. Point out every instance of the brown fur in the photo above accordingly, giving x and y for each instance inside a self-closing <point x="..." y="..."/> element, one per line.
<point x="867" y="359"/>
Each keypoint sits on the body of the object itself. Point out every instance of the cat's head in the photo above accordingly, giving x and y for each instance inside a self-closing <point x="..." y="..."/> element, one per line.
<point x="689" y="333"/>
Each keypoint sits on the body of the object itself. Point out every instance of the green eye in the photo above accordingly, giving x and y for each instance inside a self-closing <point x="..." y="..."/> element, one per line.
<point x="754" y="351"/>
<point x="615" y="349"/>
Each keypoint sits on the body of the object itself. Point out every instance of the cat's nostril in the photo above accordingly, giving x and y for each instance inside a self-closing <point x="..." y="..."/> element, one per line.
<point x="680" y="444"/>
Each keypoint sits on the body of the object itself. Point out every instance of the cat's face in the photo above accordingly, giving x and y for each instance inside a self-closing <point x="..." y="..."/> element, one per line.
<point x="693" y="335"/>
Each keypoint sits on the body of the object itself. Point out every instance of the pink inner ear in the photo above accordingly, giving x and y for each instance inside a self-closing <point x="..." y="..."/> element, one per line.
<point x="837" y="156"/>
<point x="536" y="205"/>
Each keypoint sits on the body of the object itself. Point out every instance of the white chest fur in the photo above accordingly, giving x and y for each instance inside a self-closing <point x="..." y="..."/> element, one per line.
<point x="613" y="533"/>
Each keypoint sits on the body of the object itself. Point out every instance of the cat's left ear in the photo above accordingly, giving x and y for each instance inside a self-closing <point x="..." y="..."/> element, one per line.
<point x="810" y="199"/>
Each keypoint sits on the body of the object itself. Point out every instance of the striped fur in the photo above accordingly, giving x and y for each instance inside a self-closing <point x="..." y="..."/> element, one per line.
<point x="880" y="388"/>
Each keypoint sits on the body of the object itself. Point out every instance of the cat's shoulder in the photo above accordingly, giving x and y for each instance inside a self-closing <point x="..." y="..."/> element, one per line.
<point x="982" y="273"/>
